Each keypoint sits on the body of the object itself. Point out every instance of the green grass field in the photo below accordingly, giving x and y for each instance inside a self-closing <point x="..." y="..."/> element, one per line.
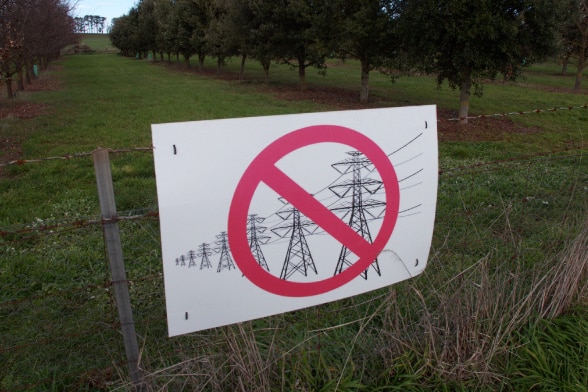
<point x="501" y="306"/>
<point x="97" y="42"/>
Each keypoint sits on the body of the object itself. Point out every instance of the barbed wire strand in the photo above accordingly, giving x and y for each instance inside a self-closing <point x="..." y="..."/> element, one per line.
<point x="19" y="232"/>
<point x="515" y="113"/>
<point x="60" y="226"/>
<point x="149" y="149"/>
<point x="66" y="157"/>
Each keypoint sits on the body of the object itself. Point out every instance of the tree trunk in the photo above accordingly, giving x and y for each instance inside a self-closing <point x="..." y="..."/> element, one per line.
<point x="265" y="64"/>
<point x="201" y="57"/>
<point x="580" y="72"/>
<point x="219" y="64"/>
<point x="365" y="78"/>
<point x="302" y="76"/>
<point x="20" y="79"/>
<point x="9" y="92"/>
<point x="464" y="96"/>
<point x="28" y="71"/>
<point x="242" y="69"/>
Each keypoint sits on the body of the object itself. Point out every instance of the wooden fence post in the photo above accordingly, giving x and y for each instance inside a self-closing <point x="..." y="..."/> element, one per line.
<point x="117" y="267"/>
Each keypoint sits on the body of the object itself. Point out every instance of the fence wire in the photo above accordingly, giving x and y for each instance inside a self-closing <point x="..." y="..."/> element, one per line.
<point x="149" y="149"/>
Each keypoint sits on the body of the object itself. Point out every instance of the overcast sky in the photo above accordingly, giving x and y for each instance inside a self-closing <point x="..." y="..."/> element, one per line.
<point x="107" y="8"/>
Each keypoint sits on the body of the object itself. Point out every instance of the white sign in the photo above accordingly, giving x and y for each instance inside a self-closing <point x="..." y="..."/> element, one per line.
<point x="265" y="215"/>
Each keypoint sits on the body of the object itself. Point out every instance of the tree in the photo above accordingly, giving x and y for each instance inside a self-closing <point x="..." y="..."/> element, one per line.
<point x="201" y="15"/>
<point x="258" y="34"/>
<point x="100" y="23"/>
<point x="147" y="26"/>
<point x="465" y="42"/>
<point x="191" y="18"/>
<point x="80" y="25"/>
<point x="239" y="24"/>
<point x="366" y="31"/>
<point x="166" y="27"/>
<point x="221" y="40"/>
<point x="574" y="35"/>
<point x="123" y="34"/>
<point x="296" y="32"/>
<point x="134" y="34"/>
<point x="31" y="30"/>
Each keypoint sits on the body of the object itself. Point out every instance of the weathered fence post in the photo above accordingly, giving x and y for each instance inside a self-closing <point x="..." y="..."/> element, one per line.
<point x="117" y="267"/>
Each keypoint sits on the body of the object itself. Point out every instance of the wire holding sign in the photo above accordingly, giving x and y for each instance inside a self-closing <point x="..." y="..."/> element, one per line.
<point x="316" y="207"/>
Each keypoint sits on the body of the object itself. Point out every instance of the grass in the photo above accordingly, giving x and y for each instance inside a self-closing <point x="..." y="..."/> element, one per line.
<point x="97" y="42"/>
<point x="553" y="355"/>
<point x="508" y="255"/>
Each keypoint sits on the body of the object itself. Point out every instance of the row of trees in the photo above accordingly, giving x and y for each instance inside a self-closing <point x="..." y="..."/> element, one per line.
<point x="31" y="32"/>
<point x="90" y="24"/>
<point x="463" y="42"/>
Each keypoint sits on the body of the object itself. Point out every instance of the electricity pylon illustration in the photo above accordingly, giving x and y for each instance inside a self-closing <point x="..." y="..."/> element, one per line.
<point x="356" y="189"/>
<point x="256" y="238"/>
<point x="203" y="252"/>
<point x="191" y="259"/>
<point x="298" y="257"/>
<point x="225" y="262"/>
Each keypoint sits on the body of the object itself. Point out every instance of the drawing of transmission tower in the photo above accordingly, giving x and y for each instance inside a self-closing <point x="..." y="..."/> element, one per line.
<point x="355" y="190"/>
<point x="203" y="252"/>
<point x="192" y="259"/>
<point x="256" y="238"/>
<point x="298" y="256"/>
<point x="226" y="262"/>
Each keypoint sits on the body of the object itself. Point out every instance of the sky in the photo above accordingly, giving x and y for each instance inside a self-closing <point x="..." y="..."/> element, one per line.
<point x="108" y="8"/>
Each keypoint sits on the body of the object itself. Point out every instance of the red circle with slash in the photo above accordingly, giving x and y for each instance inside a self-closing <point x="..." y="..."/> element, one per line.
<point x="263" y="169"/>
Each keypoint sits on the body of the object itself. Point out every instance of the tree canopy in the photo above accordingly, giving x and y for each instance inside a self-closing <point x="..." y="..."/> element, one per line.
<point x="463" y="42"/>
<point x="90" y="24"/>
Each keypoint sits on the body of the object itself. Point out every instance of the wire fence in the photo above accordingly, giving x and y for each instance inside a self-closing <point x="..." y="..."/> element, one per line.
<point x="60" y="329"/>
<point x="148" y="149"/>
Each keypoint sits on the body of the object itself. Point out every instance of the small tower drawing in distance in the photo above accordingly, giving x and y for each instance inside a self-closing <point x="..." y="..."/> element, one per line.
<point x="191" y="259"/>
<point x="257" y="238"/>
<point x="203" y="252"/>
<point x="226" y="261"/>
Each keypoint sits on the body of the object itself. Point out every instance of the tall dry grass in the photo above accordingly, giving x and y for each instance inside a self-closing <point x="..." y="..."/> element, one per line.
<point x="463" y="330"/>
